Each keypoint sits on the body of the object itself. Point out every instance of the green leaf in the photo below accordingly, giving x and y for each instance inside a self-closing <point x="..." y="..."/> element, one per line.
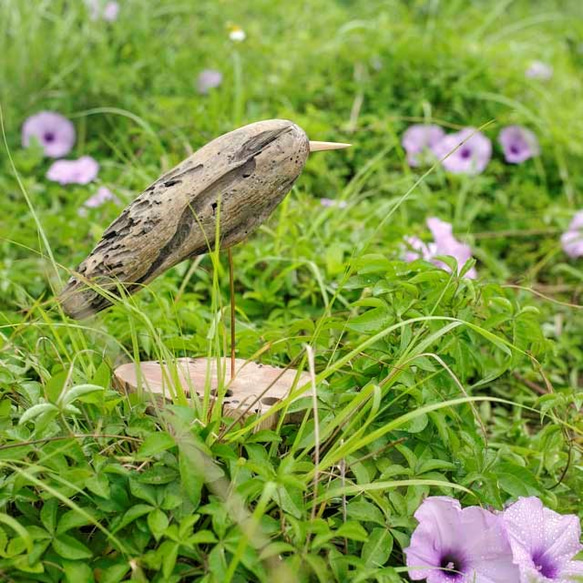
<point x="191" y="479"/>
<point x="55" y="385"/>
<point x="517" y="480"/>
<point x="78" y="572"/>
<point x="291" y="500"/>
<point x="37" y="410"/>
<point x="38" y="551"/>
<point x="72" y="519"/>
<point x="113" y="573"/>
<point x="157" y="523"/>
<point x="102" y="376"/>
<point x="217" y="563"/>
<point x="78" y="392"/>
<point x="132" y="514"/>
<point x="143" y="492"/>
<point x="48" y="514"/>
<point x="169" y="551"/>
<point x="264" y="436"/>
<point x="3" y="541"/>
<point x="202" y="537"/>
<point x="417" y="424"/>
<point x="364" y="511"/>
<point x="158" y="474"/>
<point x="70" y="548"/>
<point x="371" y="321"/>
<point x="352" y="530"/>
<point x="22" y="563"/>
<point x="377" y="549"/>
<point x="99" y="485"/>
<point x="16" y="546"/>
<point x="19" y="529"/>
<point x="154" y="444"/>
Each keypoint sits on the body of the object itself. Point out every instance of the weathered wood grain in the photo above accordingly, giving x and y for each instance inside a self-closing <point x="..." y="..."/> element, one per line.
<point x="241" y="176"/>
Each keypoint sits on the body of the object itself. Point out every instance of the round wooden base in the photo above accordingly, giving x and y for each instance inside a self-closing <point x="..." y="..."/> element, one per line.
<point x="255" y="389"/>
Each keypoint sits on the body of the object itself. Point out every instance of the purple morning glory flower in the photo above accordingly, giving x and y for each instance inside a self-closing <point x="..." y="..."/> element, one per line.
<point x="98" y="9"/>
<point x="55" y="133"/>
<point x="444" y="244"/>
<point x="518" y="143"/>
<point x="543" y="542"/>
<point x="572" y="239"/>
<point x="81" y="171"/>
<point x="451" y="545"/>
<point x="207" y="80"/>
<point x="418" y="141"/>
<point x="470" y="158"/>
<point x="539" y="70"/>
<point x="330" y="202"/>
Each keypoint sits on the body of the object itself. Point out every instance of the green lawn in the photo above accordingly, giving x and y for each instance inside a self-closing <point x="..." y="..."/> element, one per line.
<point x="427" y="382"/>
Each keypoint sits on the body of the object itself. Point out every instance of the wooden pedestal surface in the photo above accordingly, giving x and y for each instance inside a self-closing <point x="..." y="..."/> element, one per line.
<point x="255" y="388"/>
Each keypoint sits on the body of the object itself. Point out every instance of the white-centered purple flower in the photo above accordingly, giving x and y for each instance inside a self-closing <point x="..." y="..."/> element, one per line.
<point x="98" y="9"/>
<point x="444" y="243"/>
<point x="543" y="542"/>
<point x="54" y="132"/>
<point x="207" y="80"/>
<point x="455" y="545"/>
<point x="418" y="142"/>
<point x="518" y="144"/>
<point x="80" y="171"/>
<point x="539" y="70"/>
<point x="471" y="157"/>
<point x="331" y="203"/>
<point x="572" y="239"/>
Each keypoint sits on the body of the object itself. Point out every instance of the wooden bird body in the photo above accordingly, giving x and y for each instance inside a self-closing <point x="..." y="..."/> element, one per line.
<point x="240" y="177"/>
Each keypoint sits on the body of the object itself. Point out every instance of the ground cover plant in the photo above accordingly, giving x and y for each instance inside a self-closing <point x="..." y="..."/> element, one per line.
<point x="436" y="305"/>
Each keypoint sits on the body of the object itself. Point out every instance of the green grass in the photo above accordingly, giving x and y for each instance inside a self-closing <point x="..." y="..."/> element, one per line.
<point x="426" y="383"/>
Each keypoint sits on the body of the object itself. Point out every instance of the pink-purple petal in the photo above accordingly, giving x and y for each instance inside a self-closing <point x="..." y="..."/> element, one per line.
<point x="102" y="196"/>
<point x="415" y="249"/>
<point x="518" y="143"/>
<point x="54" y="132"/>
<point x="572" y="239"/>
<point x="543" y="542"/>
<point x="577" y="222"/>
<point x="208" y="79"/>
<point x="418" y="141"/>
<point x="539" y="70"/>
<point x="573" y="571"/>
<point x="447" y="244"/>
<point x="442" y="231"/>
<point x="471" y="157"/>
<point x="472" y="541"/>
<point x="105" y="10"/>
<point x="81" y="171"/>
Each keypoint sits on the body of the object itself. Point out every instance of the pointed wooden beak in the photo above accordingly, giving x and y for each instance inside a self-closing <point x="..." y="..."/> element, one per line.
<point x="320" y="146"/>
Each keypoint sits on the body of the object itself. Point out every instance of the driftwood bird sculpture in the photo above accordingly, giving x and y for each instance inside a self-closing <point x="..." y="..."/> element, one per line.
<point x="240" y="177"/>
